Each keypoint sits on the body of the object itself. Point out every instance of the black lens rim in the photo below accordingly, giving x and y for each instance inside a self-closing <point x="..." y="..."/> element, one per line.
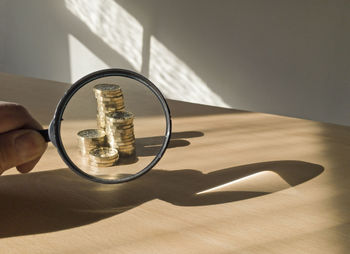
<point x="55" y="126"/>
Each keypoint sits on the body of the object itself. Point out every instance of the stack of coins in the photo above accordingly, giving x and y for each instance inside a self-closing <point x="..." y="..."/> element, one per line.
<point x="109" y="99"/>
<point x="120" y="132"/>
<point x="90" y="139"/>
<point x="103" y="157"/>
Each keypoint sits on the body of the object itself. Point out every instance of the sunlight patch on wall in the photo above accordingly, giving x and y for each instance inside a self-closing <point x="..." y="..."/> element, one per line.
<point x="82" y="60"/>
<point x="114" y="25"/>
<point x="176" y="80"/>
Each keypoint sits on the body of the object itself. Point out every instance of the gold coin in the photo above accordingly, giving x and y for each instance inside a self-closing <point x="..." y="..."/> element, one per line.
<point x="110" y="109"/>
<point x="125" y="140"/>
<point x="120" y="134"/>
<point x="101" y="125"/>
<point x="91" y="134"/>
<point x="120" y="116"/>
<point x="119" y="98"/>
<point x="125" y="145"/>
<point x="121" y="138"/>
<point x="127" y="153"/>
<point x="103" y="154"/>
<point x="90" y="139"/>
<point x="118" y="123"/>
<point x="104" y="95"/>
<point x="99" y="94"/>
<point x="110" y="103"/>
<point x="107" y="89"/>
<point x="129" y="150"/>
<point x="119" y="127"/>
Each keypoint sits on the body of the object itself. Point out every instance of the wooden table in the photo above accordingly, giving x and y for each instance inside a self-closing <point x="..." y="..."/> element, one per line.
<point x="231" y="182"/>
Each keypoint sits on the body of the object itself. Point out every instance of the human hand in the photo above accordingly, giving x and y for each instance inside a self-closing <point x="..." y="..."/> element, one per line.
<point x="20" y="145"/>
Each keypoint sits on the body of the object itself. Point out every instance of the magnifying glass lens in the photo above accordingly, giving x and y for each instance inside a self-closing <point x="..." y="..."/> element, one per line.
<point x="112" y="128"/>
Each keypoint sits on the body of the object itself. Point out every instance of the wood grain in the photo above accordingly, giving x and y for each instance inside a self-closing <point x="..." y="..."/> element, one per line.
<point x="231" y="182"/>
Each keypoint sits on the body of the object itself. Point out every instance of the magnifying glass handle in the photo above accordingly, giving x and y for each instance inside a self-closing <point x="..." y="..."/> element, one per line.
<point x="45" y="135"/>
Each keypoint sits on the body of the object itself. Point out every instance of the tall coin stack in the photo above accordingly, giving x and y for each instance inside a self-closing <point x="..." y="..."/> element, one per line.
<point x="90" y="139"/>
<point x="120" y="132"/>
<point x="109" y="99"/>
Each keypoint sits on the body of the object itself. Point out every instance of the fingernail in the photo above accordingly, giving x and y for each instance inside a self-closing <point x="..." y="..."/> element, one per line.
<point x="29" y="145"/>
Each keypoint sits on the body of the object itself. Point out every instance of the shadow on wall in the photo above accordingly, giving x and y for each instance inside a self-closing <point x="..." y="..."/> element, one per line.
<point x="59" y="199"/>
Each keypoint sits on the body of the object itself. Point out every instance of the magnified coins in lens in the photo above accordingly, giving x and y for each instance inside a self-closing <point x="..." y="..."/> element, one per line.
<point x="111" y="126"/>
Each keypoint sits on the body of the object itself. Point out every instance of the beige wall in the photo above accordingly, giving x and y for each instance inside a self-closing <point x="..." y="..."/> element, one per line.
<point x="284" y="57"/>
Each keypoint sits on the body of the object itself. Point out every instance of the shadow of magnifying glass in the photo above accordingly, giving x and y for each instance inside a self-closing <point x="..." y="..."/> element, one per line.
<point x="58" y="199"/>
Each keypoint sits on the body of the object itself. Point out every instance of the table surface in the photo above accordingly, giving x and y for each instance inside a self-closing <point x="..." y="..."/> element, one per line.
<point x="231" y="182"/>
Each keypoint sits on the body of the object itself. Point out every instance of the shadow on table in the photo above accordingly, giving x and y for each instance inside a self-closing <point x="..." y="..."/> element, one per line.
<point x="59" y="199"/>
<point x="150" y="146"/>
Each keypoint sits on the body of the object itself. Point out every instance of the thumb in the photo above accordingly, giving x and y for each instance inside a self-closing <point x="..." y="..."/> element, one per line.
<point x="20" y="146"/>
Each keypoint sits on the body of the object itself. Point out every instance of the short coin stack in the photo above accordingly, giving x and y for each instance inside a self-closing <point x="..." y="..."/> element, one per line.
<point x="103" y="156"/>
<point x="90" y="139"/>
<point x="120" y="132"/>
<point x="109" y="99"/>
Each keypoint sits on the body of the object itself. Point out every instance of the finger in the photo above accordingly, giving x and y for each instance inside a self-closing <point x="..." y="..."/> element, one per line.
<point x="19" y="147"/>
<point x="14" y="116"/>
<point x="28" y="166"/>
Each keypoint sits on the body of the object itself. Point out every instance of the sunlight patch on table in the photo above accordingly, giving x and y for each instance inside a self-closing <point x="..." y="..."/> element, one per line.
<point x="265" y="181"/>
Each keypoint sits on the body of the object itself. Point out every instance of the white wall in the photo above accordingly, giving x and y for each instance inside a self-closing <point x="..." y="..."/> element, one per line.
<point x="285" y="57"/>
<point x="3" y="19"/>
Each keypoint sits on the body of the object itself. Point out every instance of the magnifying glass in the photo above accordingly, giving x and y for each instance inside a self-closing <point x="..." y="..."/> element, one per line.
<point x="111" y="126"/>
